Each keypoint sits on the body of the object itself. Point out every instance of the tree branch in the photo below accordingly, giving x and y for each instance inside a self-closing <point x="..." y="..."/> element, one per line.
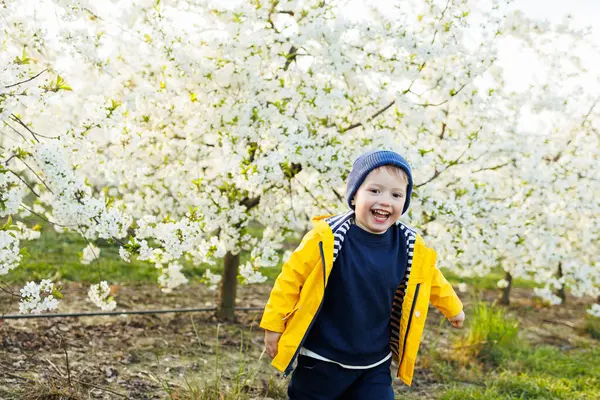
<point x="291" y="57"/>
<point x="41" y="180"/>
<point x="450" y="164"/>
<point x="10" y="158"/>
<point x="250" y="203"/>
<point x="378" y="113"/>
<point x="313" y="197"/>
<point x="25" y="81"/>
<point x="495" y="167"/>
<point x="431" y="104"/>
<point x="23" y="180"/>
<point x="42" y="217"/>
<point x="339" y="196"/>
<point x="16" y="119"/>
<point x="8" y="291"/>
<point x="14" y="130"/>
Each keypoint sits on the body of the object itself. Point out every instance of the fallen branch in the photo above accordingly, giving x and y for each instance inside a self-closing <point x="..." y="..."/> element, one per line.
<point x="565" y="323"/>
<point x="95" y="387"/>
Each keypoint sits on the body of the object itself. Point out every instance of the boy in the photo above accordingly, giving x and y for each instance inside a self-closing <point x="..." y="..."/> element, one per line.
<point x="355" y="293"/>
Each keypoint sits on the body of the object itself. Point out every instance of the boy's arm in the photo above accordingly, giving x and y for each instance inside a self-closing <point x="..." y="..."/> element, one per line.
<point x="443" y="297"/>
<point x="286" y="291"/>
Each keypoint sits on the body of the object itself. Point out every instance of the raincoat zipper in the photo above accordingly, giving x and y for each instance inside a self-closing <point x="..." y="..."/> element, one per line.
<point x="289" y="368"/>
<point x="412" y="310"/>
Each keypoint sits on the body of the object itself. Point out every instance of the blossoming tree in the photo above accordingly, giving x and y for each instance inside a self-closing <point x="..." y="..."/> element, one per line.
<point x="168" y="127"/>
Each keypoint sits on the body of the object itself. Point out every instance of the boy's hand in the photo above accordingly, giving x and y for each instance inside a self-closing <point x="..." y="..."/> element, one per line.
<point x="457" y="320"/>
<point x="271" y="342"/>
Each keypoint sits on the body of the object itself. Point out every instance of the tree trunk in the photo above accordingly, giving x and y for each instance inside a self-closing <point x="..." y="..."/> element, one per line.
<point x="561" y="292"/>
<point x="505" y="299"/>
<point x="227" y="292"/>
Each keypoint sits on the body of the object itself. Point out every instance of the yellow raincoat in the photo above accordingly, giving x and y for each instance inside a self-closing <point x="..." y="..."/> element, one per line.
<point x="298" y="293"/>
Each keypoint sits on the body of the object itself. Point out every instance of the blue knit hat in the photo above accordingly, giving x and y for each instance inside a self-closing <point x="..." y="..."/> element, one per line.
<point x="371" y="160"/>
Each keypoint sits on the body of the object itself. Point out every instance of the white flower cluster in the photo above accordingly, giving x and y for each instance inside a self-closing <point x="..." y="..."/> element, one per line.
<point x="547" y="295"/>
<point x="502" y="283"/>
<point x="211" y="280"/>
<point x="251" y="274"/>
<point x="11" y="193"/>
<point x="264" y="255"/>
<point x="73" y="204"/>
<point x="594" y="311"/>
<point x="89" y="254"/>
<point x="124" y="254"/>
<point x="37" y="298"/>
<point x="198" y="131"/>
<point x="99" y="294"/>
<point x="171" y="277"/>
<point x="9" y="252"/>
<point x="145" y="252"/>
<point x="24" y="233"/>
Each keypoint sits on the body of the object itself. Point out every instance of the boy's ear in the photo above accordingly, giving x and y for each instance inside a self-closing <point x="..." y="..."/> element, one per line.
<point x="353" y="202"/>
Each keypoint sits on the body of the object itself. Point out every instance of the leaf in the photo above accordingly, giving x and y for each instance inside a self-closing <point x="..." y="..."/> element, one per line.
<point x="61" y="85"/>
<point x="7" y="224"/>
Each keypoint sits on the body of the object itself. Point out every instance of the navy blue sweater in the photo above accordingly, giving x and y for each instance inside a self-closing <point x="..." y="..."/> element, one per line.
<point x="353" y="326"/>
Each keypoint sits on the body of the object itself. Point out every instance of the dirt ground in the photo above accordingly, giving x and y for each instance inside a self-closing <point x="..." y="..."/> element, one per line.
<point x="148" y="356"/>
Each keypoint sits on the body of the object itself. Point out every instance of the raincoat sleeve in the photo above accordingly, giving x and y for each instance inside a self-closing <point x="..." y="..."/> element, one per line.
<point x="286" y="291"/>
<point x="443" y="297"/>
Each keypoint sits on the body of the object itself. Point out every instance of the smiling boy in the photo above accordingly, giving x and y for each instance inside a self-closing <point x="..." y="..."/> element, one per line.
<point x="355" y="293"/>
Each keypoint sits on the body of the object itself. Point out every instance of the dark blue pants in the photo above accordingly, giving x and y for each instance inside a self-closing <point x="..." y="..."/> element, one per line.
<point x="321" y="380"/>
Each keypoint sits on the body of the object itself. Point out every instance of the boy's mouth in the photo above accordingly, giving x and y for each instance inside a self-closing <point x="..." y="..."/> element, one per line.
<point x="380" y="215"/>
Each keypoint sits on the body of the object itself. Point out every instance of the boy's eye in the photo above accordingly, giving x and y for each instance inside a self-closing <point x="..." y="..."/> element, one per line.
<point x="398" y="195"/>
<point x="374" y="190"/>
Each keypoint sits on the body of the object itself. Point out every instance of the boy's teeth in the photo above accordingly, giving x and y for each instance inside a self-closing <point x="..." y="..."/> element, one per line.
<point x="382" y="213"/>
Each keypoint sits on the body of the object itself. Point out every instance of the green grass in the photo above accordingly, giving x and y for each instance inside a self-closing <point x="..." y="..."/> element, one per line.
<point x="504" y="366"/>
<point x="56" y="256"/>
<point x="592" y="326"/>
<point x="491" y="334"/>
<point x="487" y="282"/>
<point x="538" y="373"/>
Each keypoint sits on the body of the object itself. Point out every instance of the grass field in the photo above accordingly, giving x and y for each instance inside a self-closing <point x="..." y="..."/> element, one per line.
<point x="525" y="351"/>
<point x="57" y="256"/>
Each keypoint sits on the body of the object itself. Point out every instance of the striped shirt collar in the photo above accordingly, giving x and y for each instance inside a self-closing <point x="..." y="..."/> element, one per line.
<point x="340" y="225"/>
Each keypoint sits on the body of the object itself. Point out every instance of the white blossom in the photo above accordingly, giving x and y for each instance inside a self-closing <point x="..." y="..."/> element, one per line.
<point x="125" y="255"/>
<point x="547" y="295"/>
<point x="9" y="252"/>
<point x="90" y="253"/>
<point x="171" y="277"/>
<point x="145" y="252"/>
<point x="251" y="274"/>
<point x="502" y="283"/>
<point x="24" y="233"/>
<point x="195" y="134"/>
<point x="37" y="298"/>
<point x="211" y="280"/>
<point x="11" y="193"/>
<point x="99" y="294"/>
<point x="594" y="310"/>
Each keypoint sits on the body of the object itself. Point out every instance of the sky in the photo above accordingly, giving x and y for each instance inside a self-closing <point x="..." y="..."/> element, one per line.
<point x="587" y="12"/>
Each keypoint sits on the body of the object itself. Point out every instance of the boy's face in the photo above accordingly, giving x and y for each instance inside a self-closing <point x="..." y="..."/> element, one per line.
<point x="379" y="201"/>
